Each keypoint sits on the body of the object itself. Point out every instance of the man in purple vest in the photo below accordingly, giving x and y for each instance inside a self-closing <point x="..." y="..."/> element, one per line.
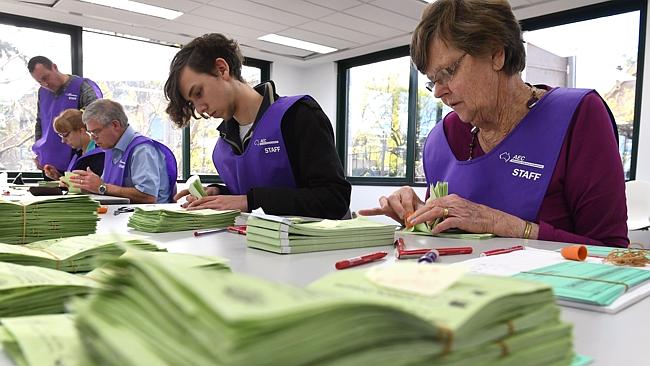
<point x="57" y="93"/>
<point x="522" y="161"/>
<point x="274" y="152"/>
<point x="136" y="167"/>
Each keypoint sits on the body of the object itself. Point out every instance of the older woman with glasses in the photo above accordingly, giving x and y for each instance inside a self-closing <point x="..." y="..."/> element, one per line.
<point x="70" y="128"/>
<point x="522" y="161"/>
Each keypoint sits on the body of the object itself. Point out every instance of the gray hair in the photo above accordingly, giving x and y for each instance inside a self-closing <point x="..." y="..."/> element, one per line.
<point x="105" y="111"/>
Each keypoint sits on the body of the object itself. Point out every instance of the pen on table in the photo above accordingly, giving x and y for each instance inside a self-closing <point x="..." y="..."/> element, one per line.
<point x="211" y="231"/>
<point x="502" y="250"/>
<point x="441" y="251"/>
<point x="351" y="262"/>
<point x="237" y="229"/>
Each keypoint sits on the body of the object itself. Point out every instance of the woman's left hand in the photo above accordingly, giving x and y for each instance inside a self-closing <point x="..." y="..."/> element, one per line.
<point x="468" y="216"/>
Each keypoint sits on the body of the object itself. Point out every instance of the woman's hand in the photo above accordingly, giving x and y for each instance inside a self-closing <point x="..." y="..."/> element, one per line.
<point x="459" y="213"/>
<point x="219" y="202"/>
<point x="51" y="172"/>
<point x="211" y="191"/>
<point x="399" y="204"/>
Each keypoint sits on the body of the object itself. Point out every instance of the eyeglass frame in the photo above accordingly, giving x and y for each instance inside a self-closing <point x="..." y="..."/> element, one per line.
<point x="449" y="73"/>
<point x="64" y="135"/>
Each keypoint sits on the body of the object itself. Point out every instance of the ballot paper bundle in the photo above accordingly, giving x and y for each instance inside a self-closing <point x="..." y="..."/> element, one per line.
<point x="29" y="290"/>
<point x="41" y="218"/>
<point x="73" y="254"/>
<point x="287" y="235"/>
<point x="150" y="313"/>
<point x="480" y="320"/>
<point x="166" y="218"/>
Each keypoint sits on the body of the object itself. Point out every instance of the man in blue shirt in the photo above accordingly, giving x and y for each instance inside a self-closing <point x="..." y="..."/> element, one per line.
<point x="136" y="167"/>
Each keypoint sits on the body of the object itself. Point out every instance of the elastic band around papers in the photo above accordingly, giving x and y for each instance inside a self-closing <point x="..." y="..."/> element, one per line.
<point x="581" y="278"/>
<point x="505" y="350"/>
<point x="58" y="260"/>
<point x="24" y="225"/>
<point x="511" y="327"/>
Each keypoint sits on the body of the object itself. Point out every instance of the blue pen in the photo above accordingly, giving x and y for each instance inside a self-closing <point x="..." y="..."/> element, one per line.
<point x="429" y="257"/>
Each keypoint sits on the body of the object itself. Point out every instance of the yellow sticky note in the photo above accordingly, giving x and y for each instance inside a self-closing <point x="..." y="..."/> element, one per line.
<point x="420" y="279"/>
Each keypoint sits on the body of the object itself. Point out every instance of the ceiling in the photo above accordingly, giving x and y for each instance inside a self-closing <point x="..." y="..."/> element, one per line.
<point x="355" y="27"/>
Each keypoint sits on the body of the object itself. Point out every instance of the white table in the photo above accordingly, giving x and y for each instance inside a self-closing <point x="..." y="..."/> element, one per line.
<point x="618" y="339"/>
<point x="611" y="339"/>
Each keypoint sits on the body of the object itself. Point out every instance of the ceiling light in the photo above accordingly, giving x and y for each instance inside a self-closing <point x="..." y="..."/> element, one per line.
<point x="296" y="43"/>
<point x="137" y="7"/>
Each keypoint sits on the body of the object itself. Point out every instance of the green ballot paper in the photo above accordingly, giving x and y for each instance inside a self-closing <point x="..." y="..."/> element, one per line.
<point x="47" y="217"/>
<point x="73" y="254"/>
<point x="42" y="340"/>
<point x="29" y="290"/>
<point x="166" y="218"/>
<point x="195" y="187"/>
<point x="153" y="313"/>
<point x="288" y="235"/>
<point x="441" y="189"/>
<point x="66" y="179"/>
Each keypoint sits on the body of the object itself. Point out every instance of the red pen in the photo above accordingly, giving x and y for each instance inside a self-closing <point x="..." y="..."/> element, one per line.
<point x="237" y="229"/>
<point x="442" y="251"/>
<point x="347" y="263"/>
<point x="502" y="250"/>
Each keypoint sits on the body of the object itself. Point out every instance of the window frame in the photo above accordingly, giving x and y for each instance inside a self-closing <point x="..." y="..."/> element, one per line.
<point x="549" y="20"/>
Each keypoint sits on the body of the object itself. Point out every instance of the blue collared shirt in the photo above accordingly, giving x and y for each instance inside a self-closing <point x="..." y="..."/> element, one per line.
<point x="145" y="170"/>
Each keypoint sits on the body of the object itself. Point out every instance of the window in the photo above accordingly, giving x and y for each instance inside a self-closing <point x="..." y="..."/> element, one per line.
<point x="19" y="91"/>
<point x="590" y="54"/>
<point x="386" y="114"/>
<point x="135" y="80"/>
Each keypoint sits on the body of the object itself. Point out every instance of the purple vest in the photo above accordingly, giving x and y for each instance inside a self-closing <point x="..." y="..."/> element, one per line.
<point x="49" y="148"/>
<point x="114" y="174"/>
<point x="264" y="163"/>
<point x="514" y="176"/>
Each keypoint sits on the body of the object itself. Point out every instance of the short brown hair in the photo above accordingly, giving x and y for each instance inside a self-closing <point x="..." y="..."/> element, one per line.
<point x="69" y="120"/>
<point x="199" y="55"/>
<point x="473" y="26"/>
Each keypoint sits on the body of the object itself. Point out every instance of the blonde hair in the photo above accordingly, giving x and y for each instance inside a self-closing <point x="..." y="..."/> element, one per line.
<point x="68" y="121"/>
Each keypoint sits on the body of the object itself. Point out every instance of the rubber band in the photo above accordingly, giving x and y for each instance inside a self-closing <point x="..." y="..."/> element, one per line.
<point x="511" y="327"/>
<point x="505" y="350"/>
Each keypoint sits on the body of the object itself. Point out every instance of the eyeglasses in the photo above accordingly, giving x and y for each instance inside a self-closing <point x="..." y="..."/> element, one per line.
<point x="64" y="135"/>
<point x="95" y="132"/>
<point x="446" y="74"/>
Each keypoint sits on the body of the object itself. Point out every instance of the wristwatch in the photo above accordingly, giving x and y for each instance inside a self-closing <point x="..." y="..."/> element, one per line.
<point x="102" y="188"/>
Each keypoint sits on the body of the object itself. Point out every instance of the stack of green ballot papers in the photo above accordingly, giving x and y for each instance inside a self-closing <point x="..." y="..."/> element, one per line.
<point x="589" y="283"/>
<point x="41" y="218"/>
<point x="479" y="320"/>
<point x="29" y="290"/>
<point x="288" y="235"/>
<point x="176" y="260"/>
<point x="166" y="218"/>
<point x="73" y="254"/>
<point x="148" y="313"/>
